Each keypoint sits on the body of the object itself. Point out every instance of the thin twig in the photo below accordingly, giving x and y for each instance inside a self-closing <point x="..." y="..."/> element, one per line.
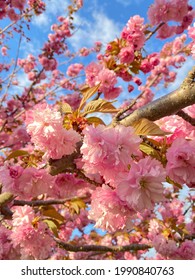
<point x="156" y="29"/>
<point x="121" y="112"/>
<point x="44" y="202"/>
<point x="100" y="248"/>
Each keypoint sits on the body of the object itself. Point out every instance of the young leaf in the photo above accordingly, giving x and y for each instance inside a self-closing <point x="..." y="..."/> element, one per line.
<point x="76" y="205"/>
<point x="99" y="105"/>
<point x="52" y="225"/>
<point x="50" y="211"/>
<point x="87" y="94"/>
<point x="65" y="108"/>
<point x="17" y="153"/>
<point x="5" y="198"/>
<point x="95" y="120"/>
<point x="150" y="151"/>
<point x="146" y="127"/>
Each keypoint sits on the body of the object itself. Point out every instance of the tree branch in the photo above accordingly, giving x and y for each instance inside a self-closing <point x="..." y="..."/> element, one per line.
<point x="167" y="105"/>
<point x="99" y="248"/>
<point x="186" y="117"/>
<point x="43" y="202"/>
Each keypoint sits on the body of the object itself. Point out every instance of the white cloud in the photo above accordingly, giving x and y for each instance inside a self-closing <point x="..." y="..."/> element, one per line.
<point x="181" y="74"/>
<point x="53" y="8"/>
<point x="99" y="28"/>
<point x="41" y="20"/>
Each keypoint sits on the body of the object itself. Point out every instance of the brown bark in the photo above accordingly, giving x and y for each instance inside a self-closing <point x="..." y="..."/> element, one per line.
<point x="167" y="105"/>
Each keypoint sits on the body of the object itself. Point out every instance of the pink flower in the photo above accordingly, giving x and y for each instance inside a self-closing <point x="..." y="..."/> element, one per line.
<point x="79" y="3"/>
<point x="29" y="238"/>
<point x="108" y="150"/>
<point x="108" y="211"/>
<point x="126" y="54"/>
<point x="133" y="33"/>
<point x="165" y="247"/>
<point x="112" y="92"/>
<point x="84" y="51"/>
<point x="186" y="250"/>
<point x="142" y="186"/>
<point x="4" y="51"/>
<point x="181" y="161"/>
<point x="130" y="88"/>
<point x="68" y="186"/>
<point x="48" y="64"/>
<point x="91" y="71"/>
<point x="22" y="215"/>
<point x="12" y="15"/>
<point x="107" y="78"/>
<point x="19" y="4"/>
<point x="5" y="243"/>
<point x="47" y="133"/>
<point x="29" y="182"/>
<point x="73" y="100"/>
<point x="74" y="69"/>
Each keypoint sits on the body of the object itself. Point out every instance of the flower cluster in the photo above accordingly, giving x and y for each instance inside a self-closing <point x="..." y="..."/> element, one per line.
<point x="164" y="11"/>
<point x="108" y="151"/>
<point x="45" y="127"/>
<point x="181" y="161"/>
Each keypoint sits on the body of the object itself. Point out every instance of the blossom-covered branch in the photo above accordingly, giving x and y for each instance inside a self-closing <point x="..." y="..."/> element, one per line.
<point x="167" y="105"/>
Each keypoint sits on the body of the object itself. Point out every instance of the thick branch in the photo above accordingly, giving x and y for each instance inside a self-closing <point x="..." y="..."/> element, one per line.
<point x="167" y="105"/>
<point x="186" y="117"/>
<point x="99" y="248"/>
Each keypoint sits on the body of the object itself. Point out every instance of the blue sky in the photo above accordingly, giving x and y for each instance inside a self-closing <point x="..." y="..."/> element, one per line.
<point x="98" y="20"/>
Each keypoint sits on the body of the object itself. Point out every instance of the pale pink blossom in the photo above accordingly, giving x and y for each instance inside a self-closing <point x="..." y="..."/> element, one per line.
<point x="108" y="211"/>
<point x="74" y="69"/>
<point x="165" y="247"/>
<point x="28" y="239"/>
<point x="45" y="127"/>
<point x="29" y="182"/>
<point x="142" y="185"/>
<point x="5" y="243"/>
<point x="4" y="51"/>
<point x="91" y="71"/>
<point x="181" y="161"/>
<point x="108" y="150"/>
<point x="186" y="251"/>
<point x="107" y="79"/>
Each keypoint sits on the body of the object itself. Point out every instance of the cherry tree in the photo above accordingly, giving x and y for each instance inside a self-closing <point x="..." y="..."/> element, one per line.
<point x="64" y="168"/>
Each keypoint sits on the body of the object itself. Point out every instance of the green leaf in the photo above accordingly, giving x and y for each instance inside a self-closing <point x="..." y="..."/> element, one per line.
<point x="146" y="127"/>
<point x="87" y="93"/>
<point x="99" y="105"/>
<point x="17" y="153"/>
